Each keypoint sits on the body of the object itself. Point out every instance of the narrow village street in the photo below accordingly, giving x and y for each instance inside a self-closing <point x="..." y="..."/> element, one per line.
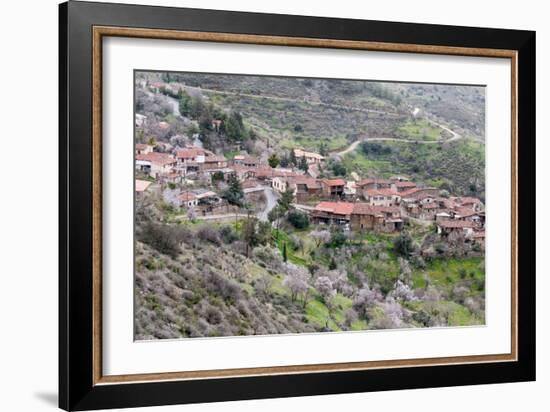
<point x="271" y="201"/>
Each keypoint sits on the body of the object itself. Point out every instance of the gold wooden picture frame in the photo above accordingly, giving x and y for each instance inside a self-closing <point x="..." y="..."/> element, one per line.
<point x="100" y="32"/>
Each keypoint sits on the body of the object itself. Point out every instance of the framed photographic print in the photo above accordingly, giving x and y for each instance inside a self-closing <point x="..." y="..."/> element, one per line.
<point x="257" y="205"/>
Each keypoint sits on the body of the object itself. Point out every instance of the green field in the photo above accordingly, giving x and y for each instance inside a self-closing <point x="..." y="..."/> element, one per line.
<point x="458" y="167"/>
<point x="420" y="129"/>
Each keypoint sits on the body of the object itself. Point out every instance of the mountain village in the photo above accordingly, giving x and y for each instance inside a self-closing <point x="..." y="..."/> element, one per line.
<point x="189" y="179"/>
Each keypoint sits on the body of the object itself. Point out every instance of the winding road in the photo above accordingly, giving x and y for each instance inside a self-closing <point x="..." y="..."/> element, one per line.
<point x="353" y="146"/>
<point x="271" y="201"/>
<point x="271" y="198"/>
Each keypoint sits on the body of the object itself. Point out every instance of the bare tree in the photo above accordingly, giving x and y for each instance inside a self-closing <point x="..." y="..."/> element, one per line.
<point x="170" y="196"/>
<point x="296" y="280"/>
<point x="350" y="316"/>
<point x="262" y="286"/>
<point x="365" y="299"/>
<point x="405" y="271"/>
<point x="402" y="291"/>
<point x="320" y="236"/>
<point x="325" y="287"/>
<point x="394" y="311"/>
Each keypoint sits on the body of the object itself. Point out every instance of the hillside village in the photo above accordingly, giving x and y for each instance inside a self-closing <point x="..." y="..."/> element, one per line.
<point x="239" y="234"/>
<point x="190" y="179"/>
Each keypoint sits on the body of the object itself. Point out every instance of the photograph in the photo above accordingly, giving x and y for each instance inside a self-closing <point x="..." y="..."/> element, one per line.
<point x="268" y="205"/>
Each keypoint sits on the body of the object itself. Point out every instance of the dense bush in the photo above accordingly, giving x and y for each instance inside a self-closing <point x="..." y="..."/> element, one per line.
<point x="338" y="169"/>
<point x="163" y="238"/>
<point x="228" y="234"/>
<point x="403" y="245"/>
<point x="337" y="238"/>
<point x="298" y="219"/>
<point x="209" y="234"/>
<point x="371" y="148"/>
<point x="234" y="193"/>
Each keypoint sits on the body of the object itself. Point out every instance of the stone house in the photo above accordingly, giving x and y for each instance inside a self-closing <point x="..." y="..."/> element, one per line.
<point x="155" y="164"/>
<point x="338" y="213"/>
<point x="333" y="188"/>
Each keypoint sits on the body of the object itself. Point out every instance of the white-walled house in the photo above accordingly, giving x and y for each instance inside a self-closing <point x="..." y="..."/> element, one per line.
<point x="155" y="163"/>
<point x="279" y="183"/>
<point x="190" y="155"/>
<point x="142" y="148"/>
<point x="187" y="200"/>
<point x="381" y="197"/>
<point x="311" y="157"/>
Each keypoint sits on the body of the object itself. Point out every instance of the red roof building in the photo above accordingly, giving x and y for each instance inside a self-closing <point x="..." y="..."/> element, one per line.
<point x="379" y="218"/>
<point x="190" y="154"/>
<point x="142" y="185"/>
<point x="332" y="212"/>
<point x="333" y="188"/>
<point x="403" y="186"/>
<point x="161" y="159"/>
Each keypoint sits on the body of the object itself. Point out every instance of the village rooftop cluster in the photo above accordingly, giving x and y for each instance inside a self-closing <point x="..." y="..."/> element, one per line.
<point x="381" y="205"/>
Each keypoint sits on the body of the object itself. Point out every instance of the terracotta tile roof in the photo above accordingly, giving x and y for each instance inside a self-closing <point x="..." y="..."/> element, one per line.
<point x="405" y="184"/>
<point x="189" y="153"/>
<point x="241" y="168"/>
<point x="363" y="209"/>
<point x="368" y="181"/>
<point x="264" y="172"/>
<point x="382" y="192"/>
<point x="465" y="211"/>
<point x="367" y="209"/>
<point x="447" y="203"/>
<point x="456" y="224"/>
<point x="334" y="182"/>
<point x="158" y="158"/>
<point x="418" y="190"/>
<point x="214" y="159"/>
<point x="249" y="183"/>
<point x="249" y="159"/>
<point x="364" y="182"/>
<point x="142" y="146"/>
<point x="410" y="192"/>
<point x="310" y="182"/>
<point x="337" y="208"/>
<point x="186" y="196"/>
<point x="142" y="185"/>
<point x="388" y="209"/>
<point x="468" y="200"/>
